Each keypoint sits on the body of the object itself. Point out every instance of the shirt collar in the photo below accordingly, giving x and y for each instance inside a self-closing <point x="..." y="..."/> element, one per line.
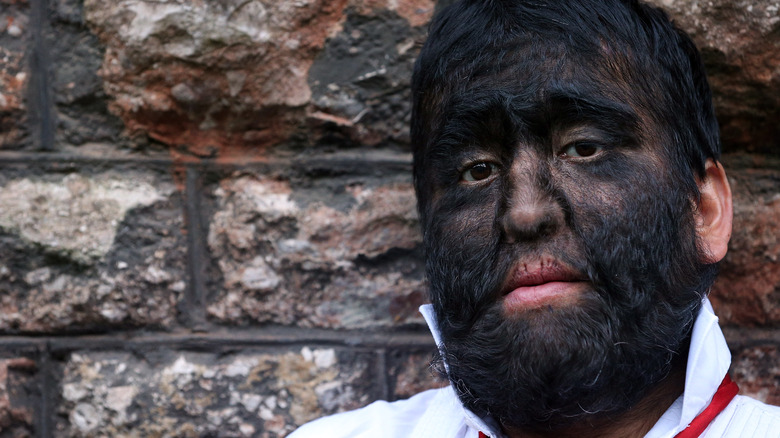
<point x="708" y="361"/>
<point x="486" y="425"/>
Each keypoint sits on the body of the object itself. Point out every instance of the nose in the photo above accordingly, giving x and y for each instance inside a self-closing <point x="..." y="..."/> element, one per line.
<point x="532" y="211"/>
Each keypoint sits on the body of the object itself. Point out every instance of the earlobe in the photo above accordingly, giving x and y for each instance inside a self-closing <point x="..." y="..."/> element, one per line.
<point x="714" y="212"/>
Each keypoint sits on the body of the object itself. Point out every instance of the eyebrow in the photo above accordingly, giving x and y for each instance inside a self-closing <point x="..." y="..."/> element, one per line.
<point x="491" y="116"/>
<point x="565" y="108"/>
<point x="475" y="117"/>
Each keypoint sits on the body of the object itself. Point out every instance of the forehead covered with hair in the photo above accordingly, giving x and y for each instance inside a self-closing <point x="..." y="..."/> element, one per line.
<point x="533" y="56"/>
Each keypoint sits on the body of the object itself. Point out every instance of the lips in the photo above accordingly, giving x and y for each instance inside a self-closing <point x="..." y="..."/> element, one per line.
<point x="541" y="282"/>
<point x="539" y="272"/>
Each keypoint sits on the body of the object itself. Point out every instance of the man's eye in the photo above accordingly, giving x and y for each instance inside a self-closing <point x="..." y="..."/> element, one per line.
<point x="581" y="150"/>
<point x="479" y="171"/>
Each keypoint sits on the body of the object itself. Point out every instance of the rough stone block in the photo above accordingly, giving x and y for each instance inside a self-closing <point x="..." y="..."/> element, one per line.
<point x="415" y="12"/>
<point x="739" y="45"/>
<point x="186" y="394"/>
<point x="411" y="372"/>
<point x="748" y="288"/>
<point x="15" y="52"/>
<point x="81" y="105"/>
<point x="337" y="252"/>
<point x="235" y="77"/>
<point x="756" y="370"/>
<point x="18" y="397"/>
<point x="89" y="249"/>
<point x="210" y="75"/>
<point x="360" y="81"/>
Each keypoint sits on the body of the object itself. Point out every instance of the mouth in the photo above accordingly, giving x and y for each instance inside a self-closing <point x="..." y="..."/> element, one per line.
<point x="542" y="282"/>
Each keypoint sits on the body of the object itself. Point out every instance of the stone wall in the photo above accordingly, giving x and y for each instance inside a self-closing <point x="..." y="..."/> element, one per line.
<point x="207" y="224"/>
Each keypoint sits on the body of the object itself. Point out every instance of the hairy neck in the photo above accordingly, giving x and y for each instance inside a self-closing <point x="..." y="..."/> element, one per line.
<point x="635" y="422"/>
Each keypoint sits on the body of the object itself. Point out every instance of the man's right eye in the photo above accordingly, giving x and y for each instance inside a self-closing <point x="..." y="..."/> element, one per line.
<point x="479" y="172"/>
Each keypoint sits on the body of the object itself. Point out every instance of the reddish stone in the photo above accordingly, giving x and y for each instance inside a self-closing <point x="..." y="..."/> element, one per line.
<point x="747" y="291"/>
<point x="739" y="44"/>
<point x="757" y="372"/>
<point x="15" y="40"/>
<point x="16" y="404"/>
<point x="416" y="12"/>
<point x="204" y="75"/>
<point x="410" y="373"/>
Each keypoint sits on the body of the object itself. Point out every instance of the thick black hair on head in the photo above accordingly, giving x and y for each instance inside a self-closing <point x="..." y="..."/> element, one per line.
<point x="636" y="46"/>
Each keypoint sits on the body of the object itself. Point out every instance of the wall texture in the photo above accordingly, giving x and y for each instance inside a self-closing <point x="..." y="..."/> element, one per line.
<point x="207" y="225"/>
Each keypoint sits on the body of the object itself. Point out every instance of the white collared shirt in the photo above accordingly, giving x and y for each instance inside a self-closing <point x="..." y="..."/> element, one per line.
<point x="437" y="413"/>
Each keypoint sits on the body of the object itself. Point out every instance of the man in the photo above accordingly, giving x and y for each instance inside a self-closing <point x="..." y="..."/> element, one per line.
<point x="573" y="213"/>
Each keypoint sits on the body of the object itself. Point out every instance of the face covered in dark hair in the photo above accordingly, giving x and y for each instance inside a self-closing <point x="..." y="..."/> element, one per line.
<point x="561" y="250"/>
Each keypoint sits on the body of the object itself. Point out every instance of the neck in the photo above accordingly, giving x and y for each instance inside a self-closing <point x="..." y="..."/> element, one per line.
<point x="635" y="422"/>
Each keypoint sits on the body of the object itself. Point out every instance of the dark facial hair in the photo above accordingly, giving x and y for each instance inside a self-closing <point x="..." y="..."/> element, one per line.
<point x="546" y="369"/>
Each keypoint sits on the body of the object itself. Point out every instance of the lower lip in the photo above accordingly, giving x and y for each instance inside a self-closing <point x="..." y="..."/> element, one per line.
<point x="554" y="292"/>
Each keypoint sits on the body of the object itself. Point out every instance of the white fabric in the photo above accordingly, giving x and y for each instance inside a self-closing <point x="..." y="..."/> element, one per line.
<point x="437" y="413"/>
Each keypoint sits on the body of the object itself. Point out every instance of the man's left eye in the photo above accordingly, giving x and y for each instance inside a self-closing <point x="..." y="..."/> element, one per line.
<point x="479" y="172"/>
<point x="581" y="149"/>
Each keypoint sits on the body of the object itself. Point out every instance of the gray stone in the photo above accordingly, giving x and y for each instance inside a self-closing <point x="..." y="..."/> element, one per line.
<point x="89" y="250"/>
<point x="347" y="259"/>
<point x="360" y="82"/>
<point x="76" y="216"/>
<point x="252" y="393"/>
<point x="81" y="104"/>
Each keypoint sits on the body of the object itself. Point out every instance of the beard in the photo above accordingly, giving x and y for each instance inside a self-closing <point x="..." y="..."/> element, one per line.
<point x="547" y="368"/>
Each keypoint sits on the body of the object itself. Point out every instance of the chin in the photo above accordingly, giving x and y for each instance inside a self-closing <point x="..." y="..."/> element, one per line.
<point x="549" y="366"/>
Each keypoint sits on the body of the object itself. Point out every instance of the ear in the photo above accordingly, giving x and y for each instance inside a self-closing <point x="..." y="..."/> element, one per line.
<point x="714" y="212"/>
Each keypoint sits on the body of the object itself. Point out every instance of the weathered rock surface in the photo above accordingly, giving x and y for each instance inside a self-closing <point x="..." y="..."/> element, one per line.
<point x="237" y="77"/>
<point x="82" y="250"/>
<point x="207" y="75"/>
<point x="223" y="78"/>
<point x="739" y="43"/>
<point x="187" y="394"/>
<point x="18" y="397"/>
<point x="15" y="40"/>
<point x="757" y="371"/>
<point x="360" y="81"/>
<point x="339" y="252"/>
<point x="747" y="291"/>
<point x="411" y="372"/>
<point x="81" y="104"/>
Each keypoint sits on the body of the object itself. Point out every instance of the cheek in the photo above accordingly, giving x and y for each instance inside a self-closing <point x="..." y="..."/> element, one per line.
<point x="592" y="205"/>
<point x="616" y="192"/>
<point x="465" y="222"/>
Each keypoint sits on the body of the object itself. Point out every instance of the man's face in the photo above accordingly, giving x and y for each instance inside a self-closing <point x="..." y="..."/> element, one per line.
<point x="561" y="247"/>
